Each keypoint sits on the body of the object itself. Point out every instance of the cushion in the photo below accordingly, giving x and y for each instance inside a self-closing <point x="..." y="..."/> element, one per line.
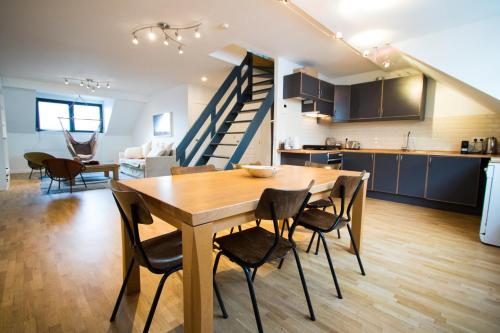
<point x="133" y="162"/>
<point x="156" y="151"/>
<point x="160" y="148"/>
<point x="146" y="148"/>
<point x="133" y="152"/>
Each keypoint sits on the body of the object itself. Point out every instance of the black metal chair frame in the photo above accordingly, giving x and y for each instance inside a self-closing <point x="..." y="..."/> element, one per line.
<point x="247" y="268"/>
<point x="135" y="241"/>
<point x="334" y="225"/>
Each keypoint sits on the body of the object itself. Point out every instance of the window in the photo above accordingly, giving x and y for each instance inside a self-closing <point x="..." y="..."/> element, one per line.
<point x="74" y="116"/>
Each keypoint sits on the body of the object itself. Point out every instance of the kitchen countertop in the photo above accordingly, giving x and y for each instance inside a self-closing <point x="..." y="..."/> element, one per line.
<point x="388" y="151"/>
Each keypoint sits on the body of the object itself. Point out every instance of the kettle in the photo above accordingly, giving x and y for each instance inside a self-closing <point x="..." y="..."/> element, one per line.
<point x="491" y="145"/>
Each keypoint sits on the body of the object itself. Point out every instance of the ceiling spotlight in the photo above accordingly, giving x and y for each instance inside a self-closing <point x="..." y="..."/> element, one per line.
<point x="88" y="86"/>
<point x="165" y="42"/>
<point x="108" y="85"/>
<point x="98" y="85"/>
<point x="93" y="89"/>
<point x="180" y="50"/>
<point x="66" y="81"/>
<point x="285" y="2"/>
<point x="386" y="63"/>
<point x="204" y="78"/>
<point x="135" y="40"/>
<point x="151" y="35"/>
<point x="339" y="35"/>
<point x="197" y="33"/>
<point x="177" y="36"/>
<point x="224" y="26"/>
<point x="366" y="53"/>
<point x="81" y="83"/>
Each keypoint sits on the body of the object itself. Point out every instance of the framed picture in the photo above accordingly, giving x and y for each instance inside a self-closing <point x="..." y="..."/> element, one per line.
<point x="162" y="124"/>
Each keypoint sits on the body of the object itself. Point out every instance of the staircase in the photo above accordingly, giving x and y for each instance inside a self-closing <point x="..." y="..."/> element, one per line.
<point x="228" y="124"/>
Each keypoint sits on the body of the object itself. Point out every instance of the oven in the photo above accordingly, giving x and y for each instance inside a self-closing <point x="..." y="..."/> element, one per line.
<point x="335" y="158"/>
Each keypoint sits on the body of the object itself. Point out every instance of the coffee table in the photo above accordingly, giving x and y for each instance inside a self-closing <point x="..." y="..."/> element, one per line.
<point x="106" y="168"/>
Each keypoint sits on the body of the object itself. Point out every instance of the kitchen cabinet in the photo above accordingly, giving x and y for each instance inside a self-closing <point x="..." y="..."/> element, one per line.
<point x="359" y="162"/>
<point x="412" y="175"/>
<point x="294" y="158"/>
<point x="366" y="99"/>
<point x="322" y="106"/>
<point x="453" y="179"/>
<point x="385" y="173"/>
<point x="319" y="158"/>
<point x="341" y="104"/>
<point x="300" y="85"/>
<point x="404" y="98"/>
<point x="326" y="91"/>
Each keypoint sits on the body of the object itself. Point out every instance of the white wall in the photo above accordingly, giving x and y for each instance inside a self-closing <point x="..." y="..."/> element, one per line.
<point x="20" y="106"/>
<point x="4" y="160"/>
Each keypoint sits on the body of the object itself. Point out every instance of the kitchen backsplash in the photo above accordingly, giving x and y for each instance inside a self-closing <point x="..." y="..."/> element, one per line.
<point x="450" y="117"/>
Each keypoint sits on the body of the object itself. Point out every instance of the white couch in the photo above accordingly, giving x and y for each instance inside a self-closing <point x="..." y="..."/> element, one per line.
<point x="136" y="163"/>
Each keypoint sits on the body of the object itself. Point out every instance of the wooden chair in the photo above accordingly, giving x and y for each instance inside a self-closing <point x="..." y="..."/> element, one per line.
<point x="62" y="169"/>
<point x="253" y="247"/>
<point x="321" y="203"/>
<point x="35" y="161"/>
<point x="160" y="255"/>
<point x="321" y="222"/>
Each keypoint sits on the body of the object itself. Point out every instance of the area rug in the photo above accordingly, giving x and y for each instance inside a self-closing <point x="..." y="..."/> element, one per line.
<point x="94" y="181"/>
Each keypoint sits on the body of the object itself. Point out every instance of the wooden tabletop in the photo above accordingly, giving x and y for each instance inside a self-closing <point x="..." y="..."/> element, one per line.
<point x="201" y="198"/>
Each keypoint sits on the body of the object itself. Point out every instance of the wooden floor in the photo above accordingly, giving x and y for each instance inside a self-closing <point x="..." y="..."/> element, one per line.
<point x="60" y="271"/>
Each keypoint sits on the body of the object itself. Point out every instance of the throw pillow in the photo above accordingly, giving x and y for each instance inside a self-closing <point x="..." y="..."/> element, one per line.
<point x="156" y="151"/>
<point x="133" y="152"/>
<point x="146" y="148"/>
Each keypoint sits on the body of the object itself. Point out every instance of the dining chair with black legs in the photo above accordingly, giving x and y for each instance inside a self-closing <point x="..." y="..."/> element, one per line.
<point x="253" y="247"/>
<point x="160" y="255"/>
<point x="322" y="222"/>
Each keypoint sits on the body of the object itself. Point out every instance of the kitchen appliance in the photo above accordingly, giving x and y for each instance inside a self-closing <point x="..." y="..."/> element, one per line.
<point x="464" y="147"/>
<point x="491" y="145"/>
<point x="333" y="157"/>
<point x="292" y="143"/>
<point x="319" y="147"/>
<point x="353" y="145"/>
<point x="489" y="232"/>
<point x="330" y="142"/>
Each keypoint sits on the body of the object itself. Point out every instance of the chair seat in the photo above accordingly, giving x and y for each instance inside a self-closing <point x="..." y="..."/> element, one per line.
<point x="319" y="203"/>
<point x="317" y="219"/>
<point x="164" y="252"/>
<point x="250" y="245"/>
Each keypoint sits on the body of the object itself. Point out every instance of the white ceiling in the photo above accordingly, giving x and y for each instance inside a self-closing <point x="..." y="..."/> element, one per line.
<point x="48" y="40"/>
<point x="369" y="23"/>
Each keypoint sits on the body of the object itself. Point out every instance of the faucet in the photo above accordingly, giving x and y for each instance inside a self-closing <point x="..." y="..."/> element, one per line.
<point x="407" y="147"/>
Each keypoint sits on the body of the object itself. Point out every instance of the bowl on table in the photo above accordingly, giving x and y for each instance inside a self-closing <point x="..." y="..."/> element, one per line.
<point x="260" y="171"/>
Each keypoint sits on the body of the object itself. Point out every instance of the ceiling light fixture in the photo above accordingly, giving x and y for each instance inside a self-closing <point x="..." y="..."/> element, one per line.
<point x="172" y="34"/>
<point x="204" y="78"/>
<point x="366" y="53"/>
<point x="90" y="84"/>
<point x="386" y="63"/>
<point x="338" y="35"/>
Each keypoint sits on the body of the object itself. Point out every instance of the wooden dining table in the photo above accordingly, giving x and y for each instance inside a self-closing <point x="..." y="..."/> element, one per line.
<point x="202" y="204"/>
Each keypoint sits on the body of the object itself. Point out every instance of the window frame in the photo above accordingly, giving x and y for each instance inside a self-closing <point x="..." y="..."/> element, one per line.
<point x="71" y="115"/>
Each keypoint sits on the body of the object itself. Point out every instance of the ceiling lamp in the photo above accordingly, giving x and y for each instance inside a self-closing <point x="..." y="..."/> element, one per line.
<point x="170" y="33"/>
<point x="91" y="84"/>
<point x="386" y="63"/>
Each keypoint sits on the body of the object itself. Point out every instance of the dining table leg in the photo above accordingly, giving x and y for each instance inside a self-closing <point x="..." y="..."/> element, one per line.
<point x="197" y="278"/>
<point x="358" y="215"/>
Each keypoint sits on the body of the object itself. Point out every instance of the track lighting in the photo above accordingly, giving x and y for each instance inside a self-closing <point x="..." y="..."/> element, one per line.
<point x="338" y="35"/>
<point x="172" y="34"/>
<point x="66" y="81"/>
<point x="90" y="84"/>
<point x="204" y="78"/>
<point x="366" y="53"/>
<point x="98" y="85"/>
<point x="178" y="36"/>
<point x="386" y="63"/>
<point x="165" y="42"/>
<point x="135" y="40"/>
<point x="151" y="35"/>
<point x="108" y="85"/>
<point x="180" y="50"/>
<point x="197" y="33"/>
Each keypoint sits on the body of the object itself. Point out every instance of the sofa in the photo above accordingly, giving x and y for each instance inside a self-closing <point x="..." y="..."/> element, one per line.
<point x="152" y="159"/>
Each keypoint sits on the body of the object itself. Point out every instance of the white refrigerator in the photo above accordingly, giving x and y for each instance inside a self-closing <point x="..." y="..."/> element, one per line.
<point x="490" y="221"/>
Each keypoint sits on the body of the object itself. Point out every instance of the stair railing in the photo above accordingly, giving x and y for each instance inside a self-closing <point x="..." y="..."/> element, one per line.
<point x="211" y="114"/>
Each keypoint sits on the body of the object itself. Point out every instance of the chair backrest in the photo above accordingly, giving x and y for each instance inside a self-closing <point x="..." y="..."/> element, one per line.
<point x="63" y="168"/>
<point x="323" y="166"/>
<point x="177" y="170"/>
<point x="347" y="187"/>
<point x="36" y="158"/>
<point x="133" y="211"/>
<point x="275" y="204"/>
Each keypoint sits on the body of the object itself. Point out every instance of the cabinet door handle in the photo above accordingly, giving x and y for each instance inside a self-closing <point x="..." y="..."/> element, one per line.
<point x="400" y="157"/>
<point x="430" y="161"/>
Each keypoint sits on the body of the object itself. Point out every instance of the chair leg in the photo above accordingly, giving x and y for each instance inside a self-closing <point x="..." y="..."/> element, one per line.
<point x="59" y="184"/>
<point x="231" y="231"/>
<point x="31" y="173"/>
<point x="216" y="288"/>
<point x="83" y="180"/>
<point x="338" y="233"/>
<point x="41" y="174"/>
<point x="310" y="242"/>
<point x="254" y="300"/>
<point x="254" y="274"/>
<point x="355" y="247"/>
<point x="317" y="247"/>
<point x="122" y="290"/>
<point x="304" y="285"/>
<point x="339" y="294"/>
<point x="50" y="185"/>
<point x="155" y="302"/>
<point x="257" y="222"/>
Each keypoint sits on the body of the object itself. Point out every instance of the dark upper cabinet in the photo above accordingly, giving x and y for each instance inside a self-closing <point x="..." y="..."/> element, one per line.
<point x="341" y="103"/>
<point x="412" y="175"/>
<point x="326" y="91"/>
<point x="300" y="85"/>
<point x="404" y="97"/>
<point x="322" y="106"/>
<point x="453" y="179"/>
<point x="366" y="100"/>
<point x="358" y="162"/>
<point x="385" y="173"/>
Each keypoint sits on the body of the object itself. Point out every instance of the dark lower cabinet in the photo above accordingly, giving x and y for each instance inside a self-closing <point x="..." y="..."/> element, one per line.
<point x="359" y="162"/>
<point x="319" y="158"/>
<point x="453" y="179"/>
<point x="294" y="159"/>
<point x="412" y="175"/>
<point x="385" y="173"/>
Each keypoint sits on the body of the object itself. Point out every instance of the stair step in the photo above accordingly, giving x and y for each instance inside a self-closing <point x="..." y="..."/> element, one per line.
<point x="249" y="110"/>
<point x="265" y="69"/>
<point x="231" y="132"/>
<point x="261" y="91"/>
<point x="224" y="144"/>
<point x="258" y="100"/>
<point x="262" y="83"/>
<point x="216" y="156"/>
<point x="263" y="75"/>
<point x="238" y="121"/>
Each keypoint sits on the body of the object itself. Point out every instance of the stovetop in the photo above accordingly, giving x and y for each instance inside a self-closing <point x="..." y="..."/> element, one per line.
<point x="320" y="147"/>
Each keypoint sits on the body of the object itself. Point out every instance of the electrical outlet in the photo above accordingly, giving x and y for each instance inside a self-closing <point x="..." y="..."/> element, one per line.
<point x="477" y="138"/>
